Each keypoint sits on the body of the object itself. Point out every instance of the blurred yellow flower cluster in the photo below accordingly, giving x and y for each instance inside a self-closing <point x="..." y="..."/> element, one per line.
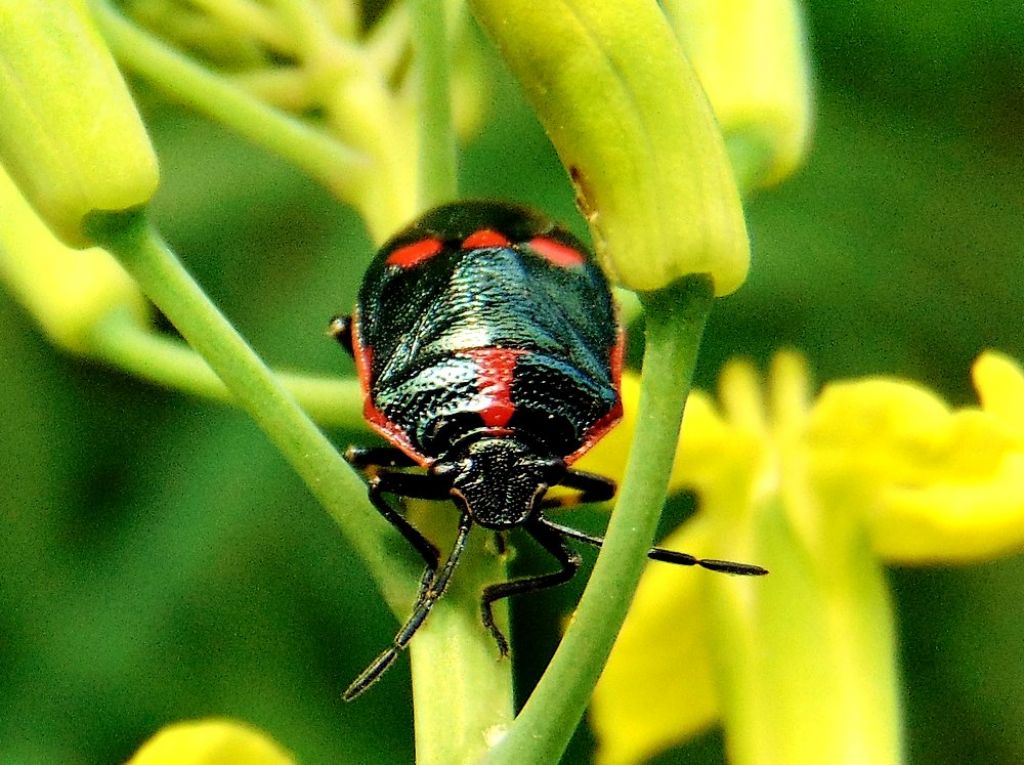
<point x="822" y="492"/>
<point x="210" y="742"/>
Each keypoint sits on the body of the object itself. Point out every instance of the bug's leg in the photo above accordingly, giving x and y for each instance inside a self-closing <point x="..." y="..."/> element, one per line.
<point x="363" y="457"/>
<point x="551" y="540"/>
<point x="421" y="609"/>
<point x="406" y="485"/>
<point x="381" y="481"/>
<point x="667" y="556"/>
<point x="591" y="487"/>
<point x="340" y="328"/>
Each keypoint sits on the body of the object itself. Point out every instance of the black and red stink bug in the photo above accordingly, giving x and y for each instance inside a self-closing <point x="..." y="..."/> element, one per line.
<point x="487" y="346"/>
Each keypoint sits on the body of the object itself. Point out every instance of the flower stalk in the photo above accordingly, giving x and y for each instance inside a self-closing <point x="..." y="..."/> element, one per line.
<point x="130" y="238"/>
<point x="675" y="323"/>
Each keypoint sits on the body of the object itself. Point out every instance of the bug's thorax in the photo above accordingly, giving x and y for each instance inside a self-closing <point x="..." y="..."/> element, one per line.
<point x="498" y="480"/>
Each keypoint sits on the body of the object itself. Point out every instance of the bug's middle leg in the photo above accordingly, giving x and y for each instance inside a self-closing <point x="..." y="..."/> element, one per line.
<point x="569" y="560"/>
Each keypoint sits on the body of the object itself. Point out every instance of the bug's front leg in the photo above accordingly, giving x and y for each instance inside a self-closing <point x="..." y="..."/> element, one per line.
<point x="377" y="463"/>
<point x="591" y="487"/>
<point x="425" y="601"/>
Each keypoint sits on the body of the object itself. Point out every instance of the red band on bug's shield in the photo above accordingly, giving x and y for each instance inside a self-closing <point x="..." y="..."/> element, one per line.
<point x="485" y="237"/>
<point x="413" y="254"/>
<point x="556" y="253"/>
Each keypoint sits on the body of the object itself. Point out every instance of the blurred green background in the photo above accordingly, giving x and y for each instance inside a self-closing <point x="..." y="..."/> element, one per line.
<point x="160" y="561"/>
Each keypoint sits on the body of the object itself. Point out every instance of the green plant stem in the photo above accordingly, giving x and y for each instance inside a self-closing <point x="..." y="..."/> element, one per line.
<point x="438" y="172"/>
<point x="335" y="165"/>
<point x="246" y="18"/>
<point x="121" y="341"/>
<point x="128" y="236"/>
<point x="675" y="324"/>
<point x="462" y="692"/>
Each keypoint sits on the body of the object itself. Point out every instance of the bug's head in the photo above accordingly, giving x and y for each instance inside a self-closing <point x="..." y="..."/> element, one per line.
<point x="498" y="479"/>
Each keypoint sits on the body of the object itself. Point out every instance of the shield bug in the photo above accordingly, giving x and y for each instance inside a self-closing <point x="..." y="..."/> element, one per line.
<point x="487" y="346"/>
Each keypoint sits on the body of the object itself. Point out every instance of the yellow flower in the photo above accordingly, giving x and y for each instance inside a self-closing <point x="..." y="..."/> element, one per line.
<point x="821" y="492"/>
<point x="210" y="742"/>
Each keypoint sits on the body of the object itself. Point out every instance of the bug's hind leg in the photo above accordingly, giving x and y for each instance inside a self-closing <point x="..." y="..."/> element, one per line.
<point x="551" y="540"/>
<point x="340" y="328"/>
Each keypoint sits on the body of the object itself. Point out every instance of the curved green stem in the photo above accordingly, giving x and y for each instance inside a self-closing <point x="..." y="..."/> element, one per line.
<point x="128" y="236"/>
<point x="120" y="340"/>
<point x="322" y="157"/>
<point x="437" y="177"/>
<point x="675" y="324"/>
<point x="248" y="18"/>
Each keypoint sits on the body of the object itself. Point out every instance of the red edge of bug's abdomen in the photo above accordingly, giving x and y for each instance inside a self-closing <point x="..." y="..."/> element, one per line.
<point x="375" y="417"/>
<point x="602" y="426"/>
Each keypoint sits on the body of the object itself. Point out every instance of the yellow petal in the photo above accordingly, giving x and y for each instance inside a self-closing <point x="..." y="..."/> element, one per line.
<point x="608" y="456"/>
<point x="210" y="742"/>
<point x="931" y="484"/>
<point x="952" y="522"/>
<point x="657" y="689"/>
<point x="1000" y="384"/>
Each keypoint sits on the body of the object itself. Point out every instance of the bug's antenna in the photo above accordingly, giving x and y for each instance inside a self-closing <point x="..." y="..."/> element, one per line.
<point x="721" y="566"/>
<point x="429" y="595"/>
<point x="668" y="556"/>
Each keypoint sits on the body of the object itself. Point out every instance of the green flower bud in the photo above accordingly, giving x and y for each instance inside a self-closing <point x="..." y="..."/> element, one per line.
<point x="629" y="120"/>
<point x="751" y="58"/>
<point x="71" y="136"/>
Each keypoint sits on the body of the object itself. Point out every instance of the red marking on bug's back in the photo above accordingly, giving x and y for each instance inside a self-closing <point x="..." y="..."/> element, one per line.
<point x="494" y="382"/>
<point x="410" y="255"/>
<point x="485" y="237"/>
<point x="556" y="253"/>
